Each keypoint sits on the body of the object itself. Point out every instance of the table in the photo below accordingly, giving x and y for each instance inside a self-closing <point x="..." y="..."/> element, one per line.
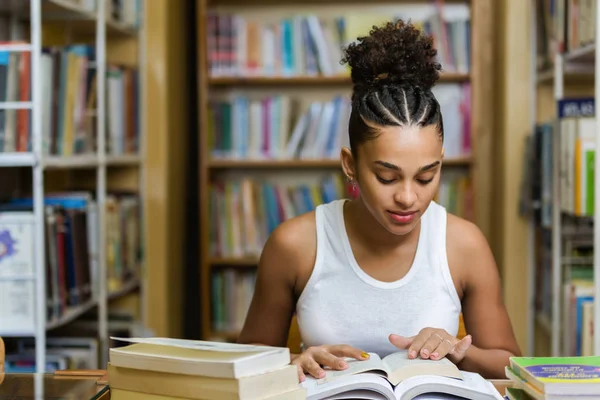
<point x="67" y="386"/>
<point x="85" y="385"/>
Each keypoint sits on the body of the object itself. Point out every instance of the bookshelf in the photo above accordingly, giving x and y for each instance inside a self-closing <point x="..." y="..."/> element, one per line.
<point x="565" y="222"/>
<point x="71" y="152"/>
<point x="236" y="78"/>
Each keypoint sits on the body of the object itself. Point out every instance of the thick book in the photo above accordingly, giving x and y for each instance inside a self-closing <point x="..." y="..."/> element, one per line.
<point x="558" y="376"/>
<point x="398" y="377"/>
<point x="198" y="357"/>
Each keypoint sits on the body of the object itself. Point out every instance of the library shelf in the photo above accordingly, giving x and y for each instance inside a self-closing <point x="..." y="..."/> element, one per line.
<point x="124" y="290"/>
<point x="71" y="314"/>
<point x="229" y="336"/>
<point x="233" y="261"/>
<point x="80" y="21"/>
<point x="74" y="161"/>
<point x="333" y="80"/>
<point x="123" y="159"/>
<point x="17" y="159"/>
<point x="217" y="3"/>
<point x="304" y="163"/>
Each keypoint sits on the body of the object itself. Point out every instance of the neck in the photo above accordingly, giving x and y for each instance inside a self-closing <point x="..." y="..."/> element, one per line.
<point x="369" y="231"/>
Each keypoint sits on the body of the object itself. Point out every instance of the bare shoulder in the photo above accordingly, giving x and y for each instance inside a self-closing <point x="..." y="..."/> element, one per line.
<point x="294" y="237"/>
<point x="469" y="254"/>
<point x="292" y="248"/>
<point x="463" y="234"/>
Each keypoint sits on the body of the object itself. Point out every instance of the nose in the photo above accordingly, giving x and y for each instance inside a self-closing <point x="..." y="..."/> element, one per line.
<point x="405" y="195"/>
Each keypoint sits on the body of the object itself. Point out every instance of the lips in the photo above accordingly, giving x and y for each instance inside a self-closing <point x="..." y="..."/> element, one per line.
<point x="402" y="217"/>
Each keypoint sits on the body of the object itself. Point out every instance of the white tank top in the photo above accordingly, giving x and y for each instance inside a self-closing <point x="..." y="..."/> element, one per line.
<point x="341" y="304"/>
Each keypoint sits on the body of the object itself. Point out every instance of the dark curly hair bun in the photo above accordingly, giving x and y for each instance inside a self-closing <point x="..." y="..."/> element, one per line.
<point x="395" y="53"/>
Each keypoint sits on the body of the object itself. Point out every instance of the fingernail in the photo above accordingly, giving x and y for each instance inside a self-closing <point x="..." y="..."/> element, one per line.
<point x="412" y="354"/>
<point x="434" y="355"/>
<point x="425" y="353"/>
<point x="321" y="373"/>
<point x="365" y="355"/>
<point x="343" y="364"/>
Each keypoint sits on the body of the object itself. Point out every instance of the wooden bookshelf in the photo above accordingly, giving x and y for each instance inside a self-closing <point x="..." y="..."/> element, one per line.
<point x="304" y="164"/>
<point x="210" y="86"/>
<point x="308" y="80"/>
<point x="234" y="262"/>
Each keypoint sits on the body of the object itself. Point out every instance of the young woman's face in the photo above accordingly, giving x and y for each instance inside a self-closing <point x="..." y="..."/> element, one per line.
<point x="399" y="174"/>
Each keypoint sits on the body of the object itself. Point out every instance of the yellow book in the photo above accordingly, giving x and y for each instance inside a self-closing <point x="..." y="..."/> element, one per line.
<point x="198" y="357"/>
<point x="258" y="386"/>
<point x="120" y="394"/>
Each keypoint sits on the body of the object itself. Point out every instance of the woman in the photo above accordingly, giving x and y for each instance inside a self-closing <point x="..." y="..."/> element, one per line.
<point x="391" y="269"/>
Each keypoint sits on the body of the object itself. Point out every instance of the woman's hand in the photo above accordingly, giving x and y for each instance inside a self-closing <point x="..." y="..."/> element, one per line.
<point x="313" y="359"/>
<point x="434" y="344"/>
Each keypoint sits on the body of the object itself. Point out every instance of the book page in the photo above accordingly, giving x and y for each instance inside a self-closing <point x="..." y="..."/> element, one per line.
<point x="201" y="344"/>
<point x="471" y="386"/>
<point x="358" y="386"/>
<point x="401" y="367"/>
<point x="355" y="366"/>
<point x="400" y="359"/>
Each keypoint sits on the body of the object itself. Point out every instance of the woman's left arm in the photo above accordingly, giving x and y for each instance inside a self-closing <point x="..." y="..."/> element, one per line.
<point x="484" y="312"/>
<point x="490" y="340"/>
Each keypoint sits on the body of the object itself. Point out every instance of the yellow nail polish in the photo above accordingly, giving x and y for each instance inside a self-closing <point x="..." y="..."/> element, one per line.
<point x="365" y="355"/>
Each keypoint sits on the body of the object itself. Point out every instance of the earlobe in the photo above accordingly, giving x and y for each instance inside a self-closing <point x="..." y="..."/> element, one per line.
<point x="442" y="153"/>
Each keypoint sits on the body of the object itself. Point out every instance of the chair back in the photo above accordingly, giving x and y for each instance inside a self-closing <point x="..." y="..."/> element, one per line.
<point x="2" y="355"/>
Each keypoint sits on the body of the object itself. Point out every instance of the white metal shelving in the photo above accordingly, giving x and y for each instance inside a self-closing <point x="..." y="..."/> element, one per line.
<point x="579" y="63"/>
<point x="88" y="22"/>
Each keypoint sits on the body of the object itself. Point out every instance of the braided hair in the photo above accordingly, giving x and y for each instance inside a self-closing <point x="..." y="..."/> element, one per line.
<point x="393" y="72"/>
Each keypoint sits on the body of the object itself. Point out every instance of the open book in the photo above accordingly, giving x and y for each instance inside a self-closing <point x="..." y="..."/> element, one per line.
<point x="398" y="377"/>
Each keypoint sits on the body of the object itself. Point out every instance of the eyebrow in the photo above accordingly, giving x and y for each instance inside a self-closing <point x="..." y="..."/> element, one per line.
<point x="397" y="168"/>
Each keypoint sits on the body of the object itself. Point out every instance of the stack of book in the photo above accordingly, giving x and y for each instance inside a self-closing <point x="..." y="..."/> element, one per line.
<point x="545" y="378"/>
<point x="165" y="369"/>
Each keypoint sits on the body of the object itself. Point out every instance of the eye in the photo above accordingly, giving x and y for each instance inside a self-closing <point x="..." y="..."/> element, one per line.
<point x="424" y="181"/>
<point x="384" y="181"/>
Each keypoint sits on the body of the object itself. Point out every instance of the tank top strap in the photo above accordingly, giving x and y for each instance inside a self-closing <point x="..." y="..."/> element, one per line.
<point x="437" y="221"/>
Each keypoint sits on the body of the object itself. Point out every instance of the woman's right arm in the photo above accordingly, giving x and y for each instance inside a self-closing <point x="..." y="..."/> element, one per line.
<point x="285" y="264"/>
<point x="290" y="248"/>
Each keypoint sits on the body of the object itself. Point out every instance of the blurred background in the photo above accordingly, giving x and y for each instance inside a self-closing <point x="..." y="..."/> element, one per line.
<point x="148" y="148"/>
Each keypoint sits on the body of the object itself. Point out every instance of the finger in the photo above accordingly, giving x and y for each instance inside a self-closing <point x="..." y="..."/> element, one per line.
<point x="443" y="349"/>
<point x="313" y="368"/>
<point x="461" y="347"/>
<point x="418" y="343"/>
<point x="301" y="376"/>
<point x="401" y="342"/>
<point x="348" y="351"/>
<point x="434" y="340"/>
<point x="329" y="360"/>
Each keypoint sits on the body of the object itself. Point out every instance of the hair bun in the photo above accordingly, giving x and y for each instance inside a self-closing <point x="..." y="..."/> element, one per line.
<point x="395" y="53"/>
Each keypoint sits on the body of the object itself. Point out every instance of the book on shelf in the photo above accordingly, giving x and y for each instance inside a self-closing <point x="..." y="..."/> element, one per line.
<point x="71" y="250"/>
<point x="63" y="353"/>
<point x="17" y="311"/>
<point x="244" y="127"/>
<point x="563" y="26"/>
<point x="311" y="45"/>
<point x="245" y="211"/>
<point x="68" y="102"/>
<point x="180" y="368"/>
<point x="230" y="296"/>
<point x="577" y="127"/>
<point x="398" y="377"/>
